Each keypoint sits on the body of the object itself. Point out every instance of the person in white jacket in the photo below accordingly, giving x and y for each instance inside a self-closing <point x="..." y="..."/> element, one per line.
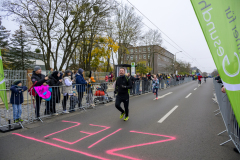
<point x="67" y="89"/>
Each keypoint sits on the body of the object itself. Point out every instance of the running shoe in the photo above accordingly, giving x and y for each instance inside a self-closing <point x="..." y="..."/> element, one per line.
<point x="20" y="120"/>
<point x="65" y="112"/>
<point x="16" y="121"/>
<point x="121" y="116"/>
<point x="156" y="98"/>
<point x="154" y="93"/>
<point x="126" y="119"/>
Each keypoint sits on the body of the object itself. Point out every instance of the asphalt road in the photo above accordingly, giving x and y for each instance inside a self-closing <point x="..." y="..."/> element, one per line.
<point x="188" y="131"/>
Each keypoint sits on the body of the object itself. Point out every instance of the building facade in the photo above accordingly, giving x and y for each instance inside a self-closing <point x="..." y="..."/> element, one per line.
<point x="153" y="56"/>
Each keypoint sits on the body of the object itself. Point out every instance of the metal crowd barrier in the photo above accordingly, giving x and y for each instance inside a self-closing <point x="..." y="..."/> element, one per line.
<point x="35" y="108"/>
<point x="225" y="109"/>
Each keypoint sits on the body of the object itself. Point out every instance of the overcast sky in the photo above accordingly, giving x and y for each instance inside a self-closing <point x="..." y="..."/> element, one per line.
<point x="176" y="18"/>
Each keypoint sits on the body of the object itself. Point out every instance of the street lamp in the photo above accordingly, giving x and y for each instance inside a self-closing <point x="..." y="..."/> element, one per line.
<point x="175" y="60"/>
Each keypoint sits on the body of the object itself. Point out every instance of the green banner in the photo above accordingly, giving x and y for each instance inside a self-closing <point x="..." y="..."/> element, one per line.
<point x="3" y="92"/>
<point x="220" y="23"/>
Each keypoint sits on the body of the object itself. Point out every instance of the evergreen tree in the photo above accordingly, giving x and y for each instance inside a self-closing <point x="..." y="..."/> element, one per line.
<point x="20" y="56"/>
<point x="4" y="35"/>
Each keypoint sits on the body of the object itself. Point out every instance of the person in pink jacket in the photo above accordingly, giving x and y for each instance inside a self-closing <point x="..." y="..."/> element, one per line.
<point x="106" y="78"/>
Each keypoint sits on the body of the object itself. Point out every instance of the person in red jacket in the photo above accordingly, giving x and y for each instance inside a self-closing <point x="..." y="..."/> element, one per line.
<point x="199" y="80"/>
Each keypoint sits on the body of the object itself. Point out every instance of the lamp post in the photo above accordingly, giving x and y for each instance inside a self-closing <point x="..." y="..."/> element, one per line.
<point x="175" y="61"/>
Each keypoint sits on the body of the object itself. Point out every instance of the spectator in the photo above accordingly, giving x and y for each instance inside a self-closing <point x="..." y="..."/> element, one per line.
<point x="133" y="79"/>
<point x="67" y="89"/>
<point x="38" y="79"/>
<point x="54" y="82"/>
<point x="74" y="78"/>
<point x="110" y="77"/>
<point x="137" y="83"/>
<point x="149" y="76"/>
<point x="61" y="74"/>
<point x="106" y="78"/>
<point x="17" y="99"/>
<point x="50" y="72"/>
<point x="223" y="89"/>
<point x="73" y="102"/>
<point x="80" y="82"/>
<point x="89" y="91"/>
<point x="144" y="84"/>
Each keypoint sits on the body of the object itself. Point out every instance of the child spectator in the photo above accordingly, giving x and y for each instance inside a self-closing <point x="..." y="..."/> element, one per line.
<point x="73" y="102"/>
<point x="106" y="78"/>
<point x="89" y="91"/>
<point x="17" y="99"/>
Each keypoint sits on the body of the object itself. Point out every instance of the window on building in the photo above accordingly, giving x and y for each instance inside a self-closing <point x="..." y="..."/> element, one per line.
<point x="131" y="50"/>
<point x="144" y="56"/>
<point x="131" y="57"/>
<point x="149" y="49"/>
<point x="136" y="50"/>
<point x="148" y="56"/>
<point x="140" y="56"/>
<point x="136" y="57"/>
<point x="127" y="57"/>
<point x="144" y="49"/>
<point x="140" y="50"/>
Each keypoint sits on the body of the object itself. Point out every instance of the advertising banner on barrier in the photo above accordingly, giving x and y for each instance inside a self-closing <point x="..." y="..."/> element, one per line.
<point x="220" y="23"/>
<point x="3" y="93"/>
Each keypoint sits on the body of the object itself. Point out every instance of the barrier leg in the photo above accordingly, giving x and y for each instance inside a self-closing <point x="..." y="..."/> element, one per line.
<point x="216" y="110"/>
<point x="39" y="119"/>
<point x="217" y="113"/>
<point x="225" y="142"/>
<point x="222" y="132"/>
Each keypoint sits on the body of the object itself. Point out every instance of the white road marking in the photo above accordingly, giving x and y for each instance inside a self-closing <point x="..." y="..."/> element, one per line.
<point x="188" y="95"/>
<point x="167" y="115"/>
<point x="195" y="89"/>
<point x="163" y="95"/>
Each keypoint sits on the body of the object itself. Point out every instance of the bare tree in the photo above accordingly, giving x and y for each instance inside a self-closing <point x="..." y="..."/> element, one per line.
<point x="128" y="27"/>
<point x="59" y="26"/>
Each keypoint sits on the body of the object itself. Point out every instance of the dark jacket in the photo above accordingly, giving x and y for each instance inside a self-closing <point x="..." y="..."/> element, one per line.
<point x="80" y="83"/>
<point x="123" y="81"/>
<point x="54" y="83"/>
<point x="17" y="94"/>
<point x="40" y="78"/>
<point x="89" y="88"/>
<point x="73" y="101"/>
<point x="132" y="79"/>
<point x="61" y="75"/>
<point x="149" y="77"/>
<point x="137" y="79"/>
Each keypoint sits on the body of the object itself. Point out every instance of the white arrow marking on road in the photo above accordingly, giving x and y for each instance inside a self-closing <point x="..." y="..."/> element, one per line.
<point x="163" y="95"/>
<point x="167" y="115"/>
<point x="188" y="95"/>
<point x="195" y="89"/>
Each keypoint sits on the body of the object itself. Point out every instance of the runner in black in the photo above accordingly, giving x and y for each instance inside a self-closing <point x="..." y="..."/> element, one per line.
<point x="122" y="89"/>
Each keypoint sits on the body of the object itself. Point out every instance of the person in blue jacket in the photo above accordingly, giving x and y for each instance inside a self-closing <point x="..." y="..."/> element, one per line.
<point x="17" y="99"/>
<point x="81" y="86"/>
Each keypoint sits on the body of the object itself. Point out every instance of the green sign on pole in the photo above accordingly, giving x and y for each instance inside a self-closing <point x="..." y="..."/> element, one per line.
<point x="220" y="23"/>
<point x="3" y="92"/>
<point x="133" y="71"/>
